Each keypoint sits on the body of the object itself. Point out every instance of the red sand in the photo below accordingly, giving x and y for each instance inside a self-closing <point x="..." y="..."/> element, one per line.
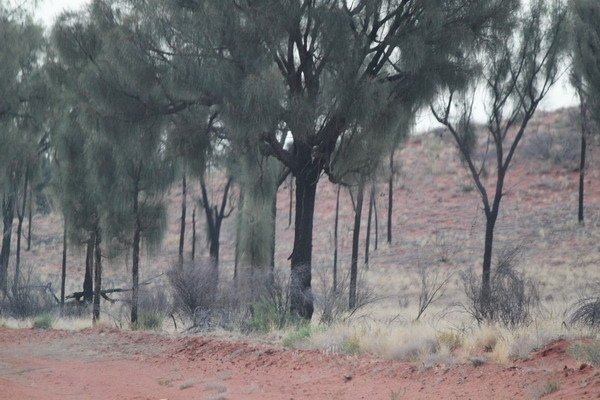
<point x="111" y="364"/>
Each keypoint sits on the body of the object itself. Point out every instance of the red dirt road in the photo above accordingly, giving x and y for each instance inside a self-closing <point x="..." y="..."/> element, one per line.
<point x="109" y="364"/>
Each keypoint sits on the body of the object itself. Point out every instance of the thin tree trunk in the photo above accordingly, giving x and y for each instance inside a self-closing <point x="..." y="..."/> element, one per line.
<point x="8" y="214"/>
<point x="183" y="212"/>
<point x="273" y="234"/>
<point x="335" y="239"/>
<point x="97" y="277"/>
<point x="580" y="214"/>
<point x="301" y="298"/>
<point x="20" y="218"/>
<point x="369" y="219"/>
<point x="30" y="218"/>
<point x="194" y="233"/>
<point x="291" y="208"/>
<point x="135" y="268"/>
<point x="63" y="272"/>
<point x="390" y="198"/>
<point x="88" y="283"/>
<point x="376" y="221"/>
<point x="355" y="243"/>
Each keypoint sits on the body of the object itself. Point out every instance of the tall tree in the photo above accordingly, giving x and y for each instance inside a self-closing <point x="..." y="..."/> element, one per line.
<point x="521" y="65"/>
<point x="21" y="62"/>
<point x="586" y="55"/>
<point x="586" y="77"/>
<point x="322" y="72"/>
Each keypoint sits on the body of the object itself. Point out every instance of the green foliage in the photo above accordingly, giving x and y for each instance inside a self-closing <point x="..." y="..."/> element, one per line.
<point x="351" y="345"/>
<point x="586" y="57"/>
<point x="149" y="320"/>
<point x="43" y="321"/>
<point x="265" y="316"/>
<point x="300" y="334"/>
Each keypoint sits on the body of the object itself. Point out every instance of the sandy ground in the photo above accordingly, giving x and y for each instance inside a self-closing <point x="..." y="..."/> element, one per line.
<point x="111" y="364"/>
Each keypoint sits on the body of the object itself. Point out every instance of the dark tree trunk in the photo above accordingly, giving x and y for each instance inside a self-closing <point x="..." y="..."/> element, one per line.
<point x="88" y="283"/>
<point x="135" y="268"/>
<point x="29" y="219"/>
<point x="390" y="198"/>
<point x="580" y="214"/>
<point x="487" y="261"/>
<point x="183" y="212"/>
<point x="8" y="214"/>
<point x="97" y="276"/>
<point x="335" y="239"/>
<point x="214" y="220"/>
<point x="491" y="216"/>
<point x="291" y="208"/>
<point x="194" y="234"/>
<point x="369" y="219"/>
<point x="63" y="272"/>
<point x="355" y="243"/>
<point x="273" y="233"/>
<point x="376" y="221"/>
<point x="20" y="218"/>
<point x="301" y="298"/>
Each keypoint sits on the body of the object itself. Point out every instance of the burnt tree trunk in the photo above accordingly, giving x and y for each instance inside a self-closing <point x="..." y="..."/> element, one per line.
<point x="390" y="199"/>
<point x="580" y="213"/>
<point x="335" y="239"/>
<point x="135" y="268"/>
<point x="273" y="234"/>
<point x="369" y="219"/>
<point x="20" y="218"/>
<point x="8" y="214"/>
<point x="376" y="221"/>
<point x="355" y="244"/>
<point x="88" y="283"/>
<point x="97" y="276"/>
<point x="491" y="216"/>
<point x="183" y="212"/>
<point x="63" y="272"/>
<point x="214" y="219"/>
<point x="29" y="218"/>
<point x="194" y="233"/>
<point x="291" y="207"/>
<point x="301" y="298"/>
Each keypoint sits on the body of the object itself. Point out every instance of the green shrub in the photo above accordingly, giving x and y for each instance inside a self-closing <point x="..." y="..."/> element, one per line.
<point x="149" y="321"/>
<point x="351" y="345"/>
<point x="43" y="321"/>
<point x="266" y="315"/>
<point x="300" y="334"/>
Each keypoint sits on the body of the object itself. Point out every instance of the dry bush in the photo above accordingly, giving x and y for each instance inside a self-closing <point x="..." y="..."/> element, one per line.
<point x="587" y="311"/>
<point x="332" y="303"/>
<point x="432" y="286"/>
<point x="512" y="296"/>
<point x="30" y="299"/>
<point x="558" y="148"/>
<point x="193" y="289"/>
<point x="257" y="302"/>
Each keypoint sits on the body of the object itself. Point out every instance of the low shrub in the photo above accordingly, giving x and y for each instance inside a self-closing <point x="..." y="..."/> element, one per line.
<point x="589" y="352"/>
<point x="512" y="296"/>
<point x="43" y="321"/>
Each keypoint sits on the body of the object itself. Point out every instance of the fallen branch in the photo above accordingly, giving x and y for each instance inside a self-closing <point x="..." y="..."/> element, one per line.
<point x="105" y="292"/>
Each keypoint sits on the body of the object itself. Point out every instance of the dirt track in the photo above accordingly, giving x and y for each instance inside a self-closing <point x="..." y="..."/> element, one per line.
<point x="110" y="364"/>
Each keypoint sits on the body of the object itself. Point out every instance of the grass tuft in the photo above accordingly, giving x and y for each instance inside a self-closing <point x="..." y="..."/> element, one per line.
<point x="43" y="321"/>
